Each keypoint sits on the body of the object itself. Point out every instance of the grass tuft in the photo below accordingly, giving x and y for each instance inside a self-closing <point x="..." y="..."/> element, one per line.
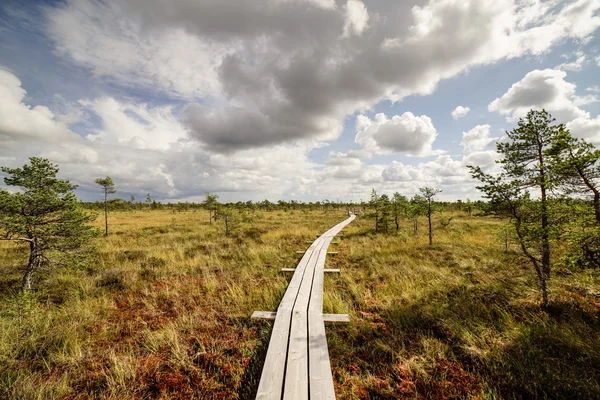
<point x="164" y="313"/>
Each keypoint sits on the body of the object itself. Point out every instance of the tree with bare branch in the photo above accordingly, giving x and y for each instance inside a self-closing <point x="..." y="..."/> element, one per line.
<point x="45" y="214"/>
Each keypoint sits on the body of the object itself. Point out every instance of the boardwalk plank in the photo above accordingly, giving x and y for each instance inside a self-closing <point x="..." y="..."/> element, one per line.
<point x="320" y="378"/>
<point x="297" y="355"/>
<point x="271" y="380"/>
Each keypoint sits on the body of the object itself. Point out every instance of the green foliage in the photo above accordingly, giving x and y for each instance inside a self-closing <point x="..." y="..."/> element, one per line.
<point x="231" y="218"/>
<point x="211" y="203"/>
<point x="580" y="235"/>
<point x="583" y="248"/>
<point x="527" y="165"/>
<point x="428" y="194"/>
<point x="400" y="208"/>
<point x="577" y="168"/>
<point x="416" y="208"/>
<point x="45" y="214"/>
<point x="506" y="235"/>
<point x="109" y="188"/>
<point x="385" y="213"/>
<point x="382" y="211"/>
<point x="107" y="184"/>
<point x="445" y="221"/>
<point x="525" y="157"/>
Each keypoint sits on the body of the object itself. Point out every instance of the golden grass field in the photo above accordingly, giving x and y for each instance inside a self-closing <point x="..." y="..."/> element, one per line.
<point x="165" y="310"/>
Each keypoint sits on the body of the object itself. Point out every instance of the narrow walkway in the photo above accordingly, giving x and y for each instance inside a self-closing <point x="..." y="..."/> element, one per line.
<point x="297" y="363"/>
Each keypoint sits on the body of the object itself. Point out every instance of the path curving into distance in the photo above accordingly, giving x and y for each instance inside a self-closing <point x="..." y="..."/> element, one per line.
<point x="297" y="364"/>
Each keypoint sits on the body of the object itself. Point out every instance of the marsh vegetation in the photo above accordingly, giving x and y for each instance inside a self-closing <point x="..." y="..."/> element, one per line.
<point x="165" y="312"/>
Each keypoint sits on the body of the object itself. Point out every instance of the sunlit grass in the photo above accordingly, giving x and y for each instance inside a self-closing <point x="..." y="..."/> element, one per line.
<point x="164" y="312"/>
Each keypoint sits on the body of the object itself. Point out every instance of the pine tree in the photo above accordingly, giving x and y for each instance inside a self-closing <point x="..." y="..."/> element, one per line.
<point x="45" y="214"/>
<point x="576" y="164"/>
<point x="526" y="166"/>
<point x="211" y="203"/>
<point x="428" y="194"/>
<point x="577" y="167"/>
<point x="375" y="203"/>
<point x="231" y="218"/>
<point x="416" y="208"/>
<point x="108" y="187"/>
<point x="385" y="212"/>
<point x="400" y="205"/>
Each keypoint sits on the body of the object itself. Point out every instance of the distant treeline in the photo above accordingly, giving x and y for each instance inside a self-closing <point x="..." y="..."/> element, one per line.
<point x="118" y="204"/>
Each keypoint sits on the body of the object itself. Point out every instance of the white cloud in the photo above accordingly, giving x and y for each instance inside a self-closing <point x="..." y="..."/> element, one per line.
<point x="478" y="138"/>
<point x="356" y="18"/>
<point x="94" y="35"/>
<point x="443" y="172"/>
<point x="258" y="86"/>
<point x="404" y="133"/>
<point x="548" y="89"/>
<point x="135" y="125"/>
<point x="542" y="89"/>
<point x="593" y="89"/>
<point x="576" y="65"/>
<point x="398" y="172"/>
<point x="23" y="127"/>
<point x="170" y="167"/>
<point x="279" y="74"/>
<point x="586" y="128"/>
<point x="485" y="159"/>
<point x="144" y="149"/>
<point x="460" y="112"/>
<point x="353" y="157"/>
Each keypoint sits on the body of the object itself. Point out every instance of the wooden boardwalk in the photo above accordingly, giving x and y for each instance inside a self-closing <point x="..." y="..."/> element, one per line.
<point x="297" y="363"/>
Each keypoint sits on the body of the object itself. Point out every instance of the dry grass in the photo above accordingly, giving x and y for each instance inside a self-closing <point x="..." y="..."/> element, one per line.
<point x="164" y="313"/>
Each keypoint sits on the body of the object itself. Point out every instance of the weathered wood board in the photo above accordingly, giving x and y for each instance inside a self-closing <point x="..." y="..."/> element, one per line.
<point x="297" y="363"/>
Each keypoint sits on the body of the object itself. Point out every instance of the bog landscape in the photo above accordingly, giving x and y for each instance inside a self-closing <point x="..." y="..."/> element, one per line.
<point x="299" y="199"/>
<point x="447" y="299"/>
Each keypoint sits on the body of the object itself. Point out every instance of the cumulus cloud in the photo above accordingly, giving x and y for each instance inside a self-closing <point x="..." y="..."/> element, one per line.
<point x="548" y="89"/>
<point x="36" y="131"/>
<point x="257" y="84"/>
<point x="593" y="89"/>
<point x="441" y="172"/>
<point x="261" y="75"/>
<point x="174" y="168"/>
<point x="576" y="65"/>
<point x="352" y="157"/>
<point x="539" y="89"/>
<point x="485" y="159"/>
<point x="95" y="35"/>
<point x="444" y="172"/>
<point x="406" y="133"/>
<point x="478" y="138"/>
<point x="135" y="125"/>
<point x="235" y="128"/>
<point x="144" y="149"/>
<point x="460" y="112"/>
<point x="20" y="122"/>
<point x="586" y="128"/>
<point x="356" y="19"/>
<point x="398" y="172"/>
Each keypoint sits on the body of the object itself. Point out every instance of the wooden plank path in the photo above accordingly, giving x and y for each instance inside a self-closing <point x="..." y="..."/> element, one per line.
<point x="297" y="363"/>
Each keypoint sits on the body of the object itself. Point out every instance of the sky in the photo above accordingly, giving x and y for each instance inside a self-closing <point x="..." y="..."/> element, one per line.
<point x="287" y="99"/>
